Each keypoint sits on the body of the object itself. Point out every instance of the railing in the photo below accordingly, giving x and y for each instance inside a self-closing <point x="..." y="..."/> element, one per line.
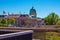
<point x="24" y="35"/>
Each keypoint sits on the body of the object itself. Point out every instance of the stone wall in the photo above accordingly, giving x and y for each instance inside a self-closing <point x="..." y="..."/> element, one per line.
<point x="24" y="35"/>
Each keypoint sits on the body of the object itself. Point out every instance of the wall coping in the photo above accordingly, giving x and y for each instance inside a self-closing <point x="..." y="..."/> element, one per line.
<point x="15" y="34"/>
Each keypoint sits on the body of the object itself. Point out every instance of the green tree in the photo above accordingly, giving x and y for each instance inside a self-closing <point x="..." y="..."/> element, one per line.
<point x="3" y="22"/>
<point x="12" y="21"/>
<point x="51" y="19"/>
<point x="58" y="23"/>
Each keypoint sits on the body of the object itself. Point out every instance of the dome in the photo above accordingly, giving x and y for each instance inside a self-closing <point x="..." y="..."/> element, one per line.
<point x="32" y="10"/>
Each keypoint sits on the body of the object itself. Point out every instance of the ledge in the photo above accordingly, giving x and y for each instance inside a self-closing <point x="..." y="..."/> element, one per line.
<point x="15" y="34"/>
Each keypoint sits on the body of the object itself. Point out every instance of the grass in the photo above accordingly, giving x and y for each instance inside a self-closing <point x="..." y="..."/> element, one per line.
<point x="47" y="35"/>
<point x="52" y="36"/>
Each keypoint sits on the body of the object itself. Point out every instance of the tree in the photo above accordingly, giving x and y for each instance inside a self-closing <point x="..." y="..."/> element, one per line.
<point x="3" y="22"/>
<point x="12" y="21"/>
<point x="51" y="19"/>
<point x="58" y="23"/>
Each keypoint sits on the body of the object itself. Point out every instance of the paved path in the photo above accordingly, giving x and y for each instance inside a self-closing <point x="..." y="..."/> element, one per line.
<point x="35" y="39"/>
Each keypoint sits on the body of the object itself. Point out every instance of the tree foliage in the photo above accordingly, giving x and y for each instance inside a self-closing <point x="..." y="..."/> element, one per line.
<point x="3" y="22"/>
<point x="51" y="19"/>
<point x="58" y="23"/>
<point x="11" y="21"/>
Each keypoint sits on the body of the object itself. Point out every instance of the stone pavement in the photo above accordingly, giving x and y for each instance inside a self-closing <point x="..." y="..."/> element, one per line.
<point x="35" y="39"/>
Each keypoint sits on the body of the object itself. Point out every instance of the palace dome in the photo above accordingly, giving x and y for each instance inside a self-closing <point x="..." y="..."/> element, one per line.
<point x="32" y="13"/>
<point x="32" y="10"/>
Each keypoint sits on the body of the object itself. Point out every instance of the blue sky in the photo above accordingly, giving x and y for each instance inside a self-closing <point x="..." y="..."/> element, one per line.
<point x="43" y="7"/>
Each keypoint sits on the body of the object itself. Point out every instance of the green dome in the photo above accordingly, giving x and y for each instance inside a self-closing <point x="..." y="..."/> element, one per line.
<point x="32" y="10"/>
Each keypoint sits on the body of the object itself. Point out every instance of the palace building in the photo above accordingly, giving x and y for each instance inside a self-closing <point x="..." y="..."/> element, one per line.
<point x="25" y="20"/>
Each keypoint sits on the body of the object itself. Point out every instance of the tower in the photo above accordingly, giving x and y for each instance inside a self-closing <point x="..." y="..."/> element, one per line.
<point x="32" y="13"/>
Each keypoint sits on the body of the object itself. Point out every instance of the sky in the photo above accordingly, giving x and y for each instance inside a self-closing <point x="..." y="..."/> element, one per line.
<point x="43" y="7"/>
